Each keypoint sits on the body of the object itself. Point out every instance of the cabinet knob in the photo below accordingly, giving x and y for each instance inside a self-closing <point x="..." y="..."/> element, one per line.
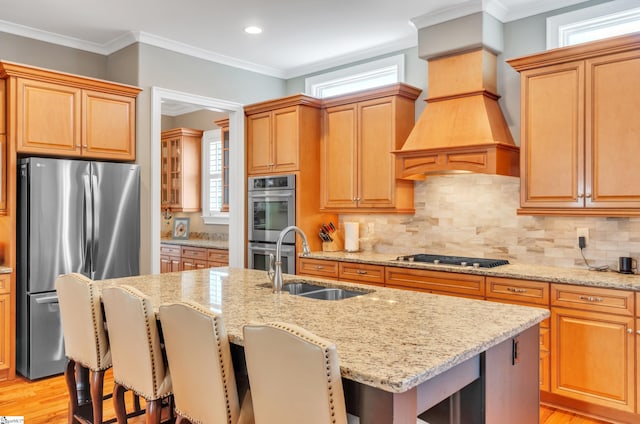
<point x="319" y="267"/>
<point x="638" y="332"/>
<point x="630" y="330"/>
<point x="580" y="195"/>
<point x="588" y="196"/>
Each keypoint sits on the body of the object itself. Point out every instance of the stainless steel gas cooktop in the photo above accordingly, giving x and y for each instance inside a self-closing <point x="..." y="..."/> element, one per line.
<point x="454" y="260"/>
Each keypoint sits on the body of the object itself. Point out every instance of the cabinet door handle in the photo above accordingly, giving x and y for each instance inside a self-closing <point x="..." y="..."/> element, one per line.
<point x="516" y="290"/>
<point x="361" y="272"/>
<point x="591" y="299"/>
<point x="630" y="330"/>
<point x="319" y="267"/>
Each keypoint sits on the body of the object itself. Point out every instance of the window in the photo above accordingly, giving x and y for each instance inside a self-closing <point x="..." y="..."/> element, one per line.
<point x="593" y="23"/>
<point x="213" y="204"/>
<point x="355" y="78"/>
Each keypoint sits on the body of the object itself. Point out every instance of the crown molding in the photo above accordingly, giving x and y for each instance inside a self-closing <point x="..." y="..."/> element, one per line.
<point x="351" y="58"/>
<point x="493" y="7"/>
<point x="50" y="37"/>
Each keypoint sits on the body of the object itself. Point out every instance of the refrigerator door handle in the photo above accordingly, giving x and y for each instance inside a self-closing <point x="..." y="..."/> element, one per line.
<point x="87" y="225"/>
<point x="97" y="206"/>
<point x="47" y="299"/>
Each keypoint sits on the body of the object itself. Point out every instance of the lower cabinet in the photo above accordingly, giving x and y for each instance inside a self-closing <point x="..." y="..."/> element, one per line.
<point x="184" y="258"/>
<point x="193" y="258"/>
<point x="593" y="347"/>
<point x="169" y="258"/>
<point x="589" y="347"/>
<point x="527" y="293"/>
<point x="343" y="271"/>
<point x="5" y="326"/>
<point x="438" y="282"/>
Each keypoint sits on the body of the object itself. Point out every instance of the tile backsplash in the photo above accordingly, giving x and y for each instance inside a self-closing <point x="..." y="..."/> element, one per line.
<point x="476" y="215"/>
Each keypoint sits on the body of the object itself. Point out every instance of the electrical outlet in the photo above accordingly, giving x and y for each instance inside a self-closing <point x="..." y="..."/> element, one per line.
<point x="583" y="232"/>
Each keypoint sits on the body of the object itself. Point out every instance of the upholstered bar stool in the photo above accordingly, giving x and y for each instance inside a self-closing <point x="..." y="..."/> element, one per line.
<point x="85" y="342"/>
<point x="294" y="376"/>
<point x="202" y="374"/>
<point x="138" y="360"/>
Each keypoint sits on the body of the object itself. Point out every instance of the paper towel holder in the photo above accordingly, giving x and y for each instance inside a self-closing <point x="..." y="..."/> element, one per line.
<point x="351" y="237"/>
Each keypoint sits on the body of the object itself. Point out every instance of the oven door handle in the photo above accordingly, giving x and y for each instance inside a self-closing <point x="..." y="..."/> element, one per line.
<point x="270" y="249"/>
<point x="260" y="195"/>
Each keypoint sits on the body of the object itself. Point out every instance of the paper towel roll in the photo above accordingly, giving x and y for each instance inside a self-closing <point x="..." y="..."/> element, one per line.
<point x="351" y="237"/>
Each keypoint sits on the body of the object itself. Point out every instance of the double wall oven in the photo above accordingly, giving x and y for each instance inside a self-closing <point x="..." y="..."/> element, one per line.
<point x="271" y="208"/>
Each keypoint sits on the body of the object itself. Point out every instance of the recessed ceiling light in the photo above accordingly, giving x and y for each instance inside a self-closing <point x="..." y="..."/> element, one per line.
<point x="253" y="30"/>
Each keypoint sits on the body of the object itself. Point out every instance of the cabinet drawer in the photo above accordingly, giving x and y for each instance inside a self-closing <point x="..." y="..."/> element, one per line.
<point x="188" y="264"/>
<point x="370" y="274"/>
<point x="218" y="256"/>
<point x="194" y="252"/>
<point x="596" y="299"/>
<point x="318" y="267"/>
<point x="445" y="282"/>
<point x="170" y="250"/>
<point x="534" y="292"/>
<point x="5" y="283"/>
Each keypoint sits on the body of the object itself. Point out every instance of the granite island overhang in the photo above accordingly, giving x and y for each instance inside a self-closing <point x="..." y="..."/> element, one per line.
<point x="392" y="344"/>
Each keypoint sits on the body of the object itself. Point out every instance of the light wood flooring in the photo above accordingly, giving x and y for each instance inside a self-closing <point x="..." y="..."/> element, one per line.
<point x="45" y="402"/>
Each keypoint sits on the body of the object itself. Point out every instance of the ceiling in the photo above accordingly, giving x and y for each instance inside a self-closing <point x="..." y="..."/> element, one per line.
<point x="300" y="36"/>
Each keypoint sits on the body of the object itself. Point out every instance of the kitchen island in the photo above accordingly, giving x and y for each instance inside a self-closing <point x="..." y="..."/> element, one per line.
<point x="400" y="352"/>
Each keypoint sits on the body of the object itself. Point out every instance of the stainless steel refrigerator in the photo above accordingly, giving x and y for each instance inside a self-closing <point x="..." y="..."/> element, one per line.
<point x="73" y="216"/>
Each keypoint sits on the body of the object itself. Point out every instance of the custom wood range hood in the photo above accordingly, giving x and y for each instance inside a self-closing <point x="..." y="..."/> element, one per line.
<point x="462" y="128"/>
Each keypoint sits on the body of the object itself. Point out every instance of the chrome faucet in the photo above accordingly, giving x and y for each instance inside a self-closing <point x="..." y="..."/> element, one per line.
<point x="275" y="273"/>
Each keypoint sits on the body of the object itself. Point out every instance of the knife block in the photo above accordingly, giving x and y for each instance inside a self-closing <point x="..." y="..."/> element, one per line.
<point x="333" y="246"/>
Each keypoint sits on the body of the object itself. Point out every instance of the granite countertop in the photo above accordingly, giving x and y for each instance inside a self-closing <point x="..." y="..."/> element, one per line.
<point x="5" y="270"/>
<point x="583" y="277"/>
<point x="390" y="339"/>
<point x="211" y="244"/>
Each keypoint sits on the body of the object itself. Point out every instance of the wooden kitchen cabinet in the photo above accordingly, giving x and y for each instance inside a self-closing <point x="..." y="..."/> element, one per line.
<point x="180" y="170"/>
<point x="439" y="282"/>
<point x="5" y="326"/>
<point x="3" y="174"/>
<point x="593" y="347"/>
<point x="4" y="151"/>
<point x="170" y="256"/>
<point x="318" y="268"/>
<point x="358" y="170"/>
<point x="579" y="129"/>
<point x="183" y="258"/>
<point x="217" y="257"/>
<point x="278" y="132"/>
<point x="527" y="293"/>
<point x="71" y="116"/>
<point x="193" y="258"/>
<point x="361" y="273"/>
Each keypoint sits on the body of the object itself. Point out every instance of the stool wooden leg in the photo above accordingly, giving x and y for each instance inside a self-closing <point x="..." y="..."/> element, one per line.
<point x="118" y="403"/>
<point x="97" y="387"/>
<point x="70" y="378"/>
<point x="154" y="411"/>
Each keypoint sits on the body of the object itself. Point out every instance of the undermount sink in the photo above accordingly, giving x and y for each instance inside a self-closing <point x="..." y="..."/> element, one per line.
<point x="314" y="291"/>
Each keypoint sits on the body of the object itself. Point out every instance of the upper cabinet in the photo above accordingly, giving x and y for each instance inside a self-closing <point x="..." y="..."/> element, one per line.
<point x="3" y="151"/>
<point x="52" y="113"/>
<point x="277" y="132"/>
<point x="579" y="129"/>
<point x="358" y="170"/>
<point x="180" y="177"/>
